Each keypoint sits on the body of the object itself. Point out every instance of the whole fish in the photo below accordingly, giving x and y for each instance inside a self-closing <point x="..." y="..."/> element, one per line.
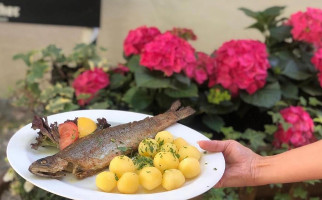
<point x="93" y="153"/>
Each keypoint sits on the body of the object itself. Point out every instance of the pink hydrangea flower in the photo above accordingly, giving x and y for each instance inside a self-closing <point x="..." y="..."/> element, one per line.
<point x="167" y="53"/>
<point x="317" y="62"/>
<point x="137" y="38"/>
<point x="121" y="69"/>
<point x="90" y="82"/>
<point x="184" y="33"/>
<point x="199" y="69"/>
<point x="241" y="64"/>
<point x="301" y="131"/>
<point x="307" y="26"/>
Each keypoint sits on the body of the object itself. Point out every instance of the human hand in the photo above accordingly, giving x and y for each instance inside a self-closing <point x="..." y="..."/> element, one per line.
<point x="240" y="162"/>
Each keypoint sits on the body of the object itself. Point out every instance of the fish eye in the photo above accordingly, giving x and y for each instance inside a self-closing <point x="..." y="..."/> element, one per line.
<point x="43" y="162"/>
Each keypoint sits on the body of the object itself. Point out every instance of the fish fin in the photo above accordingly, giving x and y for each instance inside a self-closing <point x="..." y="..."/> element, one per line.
<point x="83" y="174"/>
<point x="175" y="105"/>
<point x="184" y="112"/>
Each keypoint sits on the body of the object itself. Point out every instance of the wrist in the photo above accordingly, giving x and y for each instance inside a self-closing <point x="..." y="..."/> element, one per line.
<point x="260" y="166"/>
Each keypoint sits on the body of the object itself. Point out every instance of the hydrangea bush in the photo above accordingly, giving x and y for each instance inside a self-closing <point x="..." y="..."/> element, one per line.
<point x="265" y="94"/>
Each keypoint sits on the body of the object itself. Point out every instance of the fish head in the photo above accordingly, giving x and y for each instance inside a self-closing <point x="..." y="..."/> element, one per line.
<point x="51" y="167"/>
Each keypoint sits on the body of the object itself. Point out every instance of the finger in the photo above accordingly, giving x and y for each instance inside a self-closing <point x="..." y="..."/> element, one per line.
<point x="219" y="184"/>
<point x="213" y="145"/>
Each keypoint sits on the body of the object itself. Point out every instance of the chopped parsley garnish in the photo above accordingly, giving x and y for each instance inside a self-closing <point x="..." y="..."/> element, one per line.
<point x="161" y="143"/>
<point x="142" y="161"/>
<point x="123" y="149"/>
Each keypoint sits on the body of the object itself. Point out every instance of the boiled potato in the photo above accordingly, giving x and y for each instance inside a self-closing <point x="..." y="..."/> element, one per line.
<point x="148" y="147"/>
<point x="164" y="137"/>
<point x="189" y="151"/>
<point x="106" y="181"/>
<point x="150" y="177"/>
<point x="142" y="161"/>
<point x="168" y="147"/>
<point x="180" y="142"/>
<point x="121" y="164"/>
<point x="165" y="160"/>
<point x="128" y="183"/>
<point x="172" y="179"/>
<point x="190" y="167"/>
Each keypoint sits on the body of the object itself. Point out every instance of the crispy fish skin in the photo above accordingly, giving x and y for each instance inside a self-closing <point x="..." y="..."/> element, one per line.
<point x="93" y="153"/>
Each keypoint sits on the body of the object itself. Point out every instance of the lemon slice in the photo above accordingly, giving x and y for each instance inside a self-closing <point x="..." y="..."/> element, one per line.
<point x="86" y="126"/>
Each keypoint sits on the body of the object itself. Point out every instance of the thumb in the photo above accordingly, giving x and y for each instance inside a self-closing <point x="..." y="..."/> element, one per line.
<point x="213" y="145"/>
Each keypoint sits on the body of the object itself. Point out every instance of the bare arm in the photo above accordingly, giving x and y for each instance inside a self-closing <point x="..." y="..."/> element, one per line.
<point x="246" y="168"/>
<point x="300" y="164"/>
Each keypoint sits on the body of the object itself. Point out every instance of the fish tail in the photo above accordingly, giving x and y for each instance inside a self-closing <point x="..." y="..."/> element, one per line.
<point x="184" y="112"/>
<point x="175" y="106"/>
<point x="181" y="112"/>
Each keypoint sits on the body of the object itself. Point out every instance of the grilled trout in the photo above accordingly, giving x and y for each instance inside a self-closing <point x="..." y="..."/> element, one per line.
<point x="93" y="153"/>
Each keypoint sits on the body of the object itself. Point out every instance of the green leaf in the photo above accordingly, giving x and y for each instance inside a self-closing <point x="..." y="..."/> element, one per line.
<point x="183" y="92"/>
<point x="265" y="97"/>
<point x="57" y="104"/>
<point x="300" y="192"/>
<point x="208" y="135"/>
<point x="314" y="198"/>
<point x="318" y="130"/>
<point x="280" y="33"/>
<point x="312" y="90"/>
<point x="230" y="133"/>
<point x="273" y="11"/>
<point x="270" y="129"/>
<point x="134" y="63"/>
<point x="276" y="117"/>
<point x="99" y="105"/>
<point x="312" y="182"/>
<point x="117" y="81"/>
<point x="123" y="149"/>
<point x="70" y="106"/>
<point x="224" y="107"/>
<point x="51" y="51"/>
<point x="138" y="98"/>
<point x="25" y="57"/>
<point x="249" y="13"/>
<point x="294" y="70"/>
<point x="34" y="88"/>
<point x="303" y="101"/>
<point x="145" y="77"/>
<point x="37" y="71"/>
<point x="314" y="101"/>
<point x="57" y="90"/>
<point x="83" y="53"/>
<point x="256" y="138"/>
<point x="258" y="26"/>
<point x="289" y="90"/>
<point x="214" y="122"/>
<point x="83" y="96"/>
<point x="182" y="79"/>
<point x="282" y="196"/>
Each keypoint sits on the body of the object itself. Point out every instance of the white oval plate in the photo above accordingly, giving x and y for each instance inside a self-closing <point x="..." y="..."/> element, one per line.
<point x="20" y="156"/>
